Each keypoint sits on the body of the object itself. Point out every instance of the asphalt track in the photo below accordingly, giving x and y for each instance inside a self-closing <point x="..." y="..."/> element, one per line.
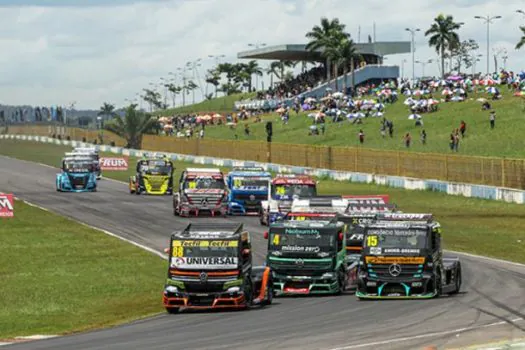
<point x="491" y="306"/>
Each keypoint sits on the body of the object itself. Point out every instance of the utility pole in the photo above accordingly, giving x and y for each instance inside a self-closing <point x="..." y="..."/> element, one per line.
<point x="413" y="32"/>
<point x="488" y="20"/>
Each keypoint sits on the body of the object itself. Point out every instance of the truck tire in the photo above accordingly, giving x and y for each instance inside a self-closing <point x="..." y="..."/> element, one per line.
<point x="269" y="293"/>
<point x="458" y="281"/>
<point x="340" y="282"/>
<point x="248" y="291"/>
<point x="172" y="310"/>
<point x="437" y="284"/>
<point x="176" y="211"/>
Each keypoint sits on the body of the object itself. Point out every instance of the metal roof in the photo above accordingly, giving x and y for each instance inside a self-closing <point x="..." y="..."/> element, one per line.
<point x="298" y="52"/>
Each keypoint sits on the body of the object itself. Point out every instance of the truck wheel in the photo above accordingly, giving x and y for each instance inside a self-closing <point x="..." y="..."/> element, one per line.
<point x="248" y="291"/>
<point x="340" y="282"/>
<point x="458" y="281"/>
<point x="176" y="210"/>
<point x="269" y="293"/>
<point x="172" y="310"/>
<point x="437" y="283"/>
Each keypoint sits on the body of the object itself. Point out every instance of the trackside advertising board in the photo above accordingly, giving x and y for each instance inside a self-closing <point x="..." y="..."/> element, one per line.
<point x="114" y="163"/>
<point x="7" y="205"/>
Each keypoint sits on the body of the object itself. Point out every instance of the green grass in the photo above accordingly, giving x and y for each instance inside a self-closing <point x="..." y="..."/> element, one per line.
<point x="506" y="140"/>
<point x="477" y="226"/>
<point x="217" y="105"/>
<point x="59" y="276"/>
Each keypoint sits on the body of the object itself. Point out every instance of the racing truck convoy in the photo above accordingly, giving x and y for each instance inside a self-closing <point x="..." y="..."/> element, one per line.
<point x="92" y="153"/>
<point x="307" y="256"/>
<point x="154" y="176"/>
<point x="78" y="174"/>
<point x="248" y="187"/>
<point x="210" y="266"/>
<point x="284" y="189"/>
<point x="402" y="257"/>
<point x="201" y="190"/>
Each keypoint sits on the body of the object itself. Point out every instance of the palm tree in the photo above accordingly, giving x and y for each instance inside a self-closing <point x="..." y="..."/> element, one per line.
<point x="132" y="126"/>
<point x="107" y="110"/>
<point x="521" y="43"/>
<point x="214" y="78"/>
<point x="443" y="36"/>
<point x="252" y="68"/>
<point x="347" y="55"/>
<point x="325" y="37"/>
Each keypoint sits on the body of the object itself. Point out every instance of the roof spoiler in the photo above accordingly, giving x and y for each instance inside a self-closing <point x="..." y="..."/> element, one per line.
<point x="405" y="217"/>
<point x="254" y="168"/>
<point x="213" y="227"/>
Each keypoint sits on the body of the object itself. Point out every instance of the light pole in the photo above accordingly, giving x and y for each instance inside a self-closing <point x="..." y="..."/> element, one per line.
<point x="412" y="32"/>
<point x="423" y="64"/>
<point x="488" y="20"/>
<point x="403" y="68"/>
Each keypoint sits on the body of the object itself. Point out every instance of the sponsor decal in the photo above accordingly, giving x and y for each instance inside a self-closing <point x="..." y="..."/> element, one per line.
<point x="397" y="232"/>
<point x="205" y="243"/>
<point x="401" y="251"/>
<point x="300" y="249"/>
<point x="114" y="163"/>
<point x="394" y="260"/>
<point x="296" y="290"/>
<point x="7" y="206"/>
<point x="205" y="262"/>
<point x="295" y="231"/>
<point x="405" y="216"/>
<point x="357" y="237"/>
<point x="375" y="250"/>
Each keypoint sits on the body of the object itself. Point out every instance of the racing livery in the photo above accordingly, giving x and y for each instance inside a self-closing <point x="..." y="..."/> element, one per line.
<point x="248" y="187"/>
<point x="90" y="152"/>
<point x="284" y="189"/>
<point x="402" y="257"/>
<point x="308" y="256"/>
<point x="201" y="190"/>
<point x="154" y="176"/>
<point x="210" y="266"/>
<point x="78" y="174"/>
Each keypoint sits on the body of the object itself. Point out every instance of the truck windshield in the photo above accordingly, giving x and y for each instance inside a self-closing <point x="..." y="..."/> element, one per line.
<point x="289" y="191"/>
<point x="396" y="238"/>
<point x="302" y="243"/>
<point x="156" y="167"/>
<point x="78" y="166"/>
<point x="251" y="183"/>
<point x="204" y="254"/>
<point x="204" y="183"/>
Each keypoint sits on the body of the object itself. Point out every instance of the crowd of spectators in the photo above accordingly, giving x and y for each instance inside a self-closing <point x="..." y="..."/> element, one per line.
<point x="292" y="87"/>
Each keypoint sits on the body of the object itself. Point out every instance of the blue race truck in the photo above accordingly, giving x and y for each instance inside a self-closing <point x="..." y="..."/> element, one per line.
<point x="79" y="174"/>
<point x="248" y="188"/>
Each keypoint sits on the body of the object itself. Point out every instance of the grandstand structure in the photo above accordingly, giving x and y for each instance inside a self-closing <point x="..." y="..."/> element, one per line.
<point x="368" y="68"/>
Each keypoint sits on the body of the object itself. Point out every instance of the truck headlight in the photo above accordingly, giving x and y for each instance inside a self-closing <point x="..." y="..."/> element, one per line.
<point x="328" y="275"/>
<point x="234" y="290"/>
<point x="171" y="289"/>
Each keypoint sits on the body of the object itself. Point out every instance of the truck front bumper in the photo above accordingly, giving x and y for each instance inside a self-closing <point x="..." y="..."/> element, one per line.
<point x="379" y="288"/>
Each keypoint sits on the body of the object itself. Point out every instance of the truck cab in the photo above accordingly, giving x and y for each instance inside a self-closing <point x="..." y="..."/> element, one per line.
<point x="78" y="174"/>
<point x="307" y="256"/>
<point x="210" y="266"/>
<point x="92" y="153"/>
<point x="284" y="189"/>
<point x="402" y="257"/>
<point x="248" y="188"/>
<point x="154" y="175"/>
<point x="201" y="190"/>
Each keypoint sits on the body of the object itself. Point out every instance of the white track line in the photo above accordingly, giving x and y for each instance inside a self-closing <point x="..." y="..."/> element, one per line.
<point x="427" y="335"/>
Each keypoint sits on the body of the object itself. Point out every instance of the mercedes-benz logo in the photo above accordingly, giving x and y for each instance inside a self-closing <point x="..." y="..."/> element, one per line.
<point x="203" y="277"/>
<point x="395" y="270"/>
<point x="299" y="262"/>
<point x="204" y="201"/>
<point x="252" y="197"/>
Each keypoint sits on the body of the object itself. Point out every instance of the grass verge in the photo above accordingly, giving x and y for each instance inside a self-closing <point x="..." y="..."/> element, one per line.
<point x="59" y="276"/>
<point x="484" y="227"/>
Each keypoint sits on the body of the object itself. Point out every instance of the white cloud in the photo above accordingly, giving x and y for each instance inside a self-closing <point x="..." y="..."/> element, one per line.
<point x="94" y="51"/>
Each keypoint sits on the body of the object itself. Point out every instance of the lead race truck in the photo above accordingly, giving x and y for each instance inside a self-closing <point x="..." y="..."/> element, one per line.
<point x="284" y="189"/>
<point x="248" y="188"/>
<point x="210" y="267"/>
<point x="307" y="256"/>
<point x="402" y="257"/>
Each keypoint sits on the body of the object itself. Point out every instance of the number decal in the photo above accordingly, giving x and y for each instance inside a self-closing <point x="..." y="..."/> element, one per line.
<point x="371" y="241"/>
<point x="178" y="252"/>
<point x="280" y="190"/>
<point x="237" y="183"/>
<point x="299" y="218"/>
<point x="275" y="240"/>
<point x="192" y="185"/>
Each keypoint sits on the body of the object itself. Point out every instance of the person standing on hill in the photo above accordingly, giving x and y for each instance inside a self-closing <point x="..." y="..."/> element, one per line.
<point x="456" y="140"/>
<point x="423" y="136"/>
<point x="407" y="139"/>
<point x="361" y="136"/>
<point x="462" y="128"/>
<point x="452" y="142"/>
<point x="492" y="119"/>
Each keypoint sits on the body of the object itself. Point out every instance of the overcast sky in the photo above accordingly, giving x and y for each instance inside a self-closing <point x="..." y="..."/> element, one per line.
<point x="91" y="51"/>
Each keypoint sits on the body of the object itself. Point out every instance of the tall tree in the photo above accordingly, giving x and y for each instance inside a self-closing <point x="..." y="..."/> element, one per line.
<point x="462" y="54"/>
<point x="521" y="43"/>
<point x="442" y="36"/>
<point x="107" y="110"/>
<point x="132" y="126"/>
<point x="252" y="68"/>
<point x="325" y="37"/>
<point x="214" y="78"/>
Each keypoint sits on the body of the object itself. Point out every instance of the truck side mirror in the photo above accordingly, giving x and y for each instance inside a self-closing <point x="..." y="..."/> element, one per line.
<point x="246" y="252"/>
<point x="166" y="250"/>
<point x="265" y="235"/>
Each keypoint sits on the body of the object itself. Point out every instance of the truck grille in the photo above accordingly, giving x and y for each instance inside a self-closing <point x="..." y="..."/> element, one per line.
<point x="204" y="287"/>
<point x="306" y="269"/>
<point x="383" y="270"/>
<point x="247" y="197"/>
<point x="78" y="181"/>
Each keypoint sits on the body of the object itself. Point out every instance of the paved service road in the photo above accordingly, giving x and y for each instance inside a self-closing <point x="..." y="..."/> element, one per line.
<point x="493" y="293"/>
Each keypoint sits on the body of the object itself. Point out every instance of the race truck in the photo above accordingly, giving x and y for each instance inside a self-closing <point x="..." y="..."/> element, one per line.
<point x="308" y="256"/>
<point x="340" y="204"/>
<point x="248" y="187"/>
<point x="154" y="176"/>
<point x="78" y="174"/>
<point x="201" y="190"/>
<point x="92" y="153"/>
<point x="284" y="189"/>
<point x="402" y="257"/>
<point x="210" y="266"/>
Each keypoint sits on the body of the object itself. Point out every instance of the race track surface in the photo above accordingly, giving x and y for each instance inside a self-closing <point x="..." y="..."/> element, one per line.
<point x="489" y="308"/>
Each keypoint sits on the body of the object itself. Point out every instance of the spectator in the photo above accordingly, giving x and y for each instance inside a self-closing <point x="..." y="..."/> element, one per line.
<point x="463" y="128"/>
<point x="407" y="138"/>
<point x="456" y="140"/>
<point x="361" y="136"/>
<point x="390" y="126"/>
<point x="492" y="119"/>
<point x="383" y="129"/>
<point x="322" y="128"/>
<point x="201" y="133"/>
<point x="246" y="129"/>
<point x="423" y="136"/>
<point x="452" y="141"/>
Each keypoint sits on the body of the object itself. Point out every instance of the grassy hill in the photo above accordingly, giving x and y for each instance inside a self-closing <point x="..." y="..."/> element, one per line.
<point x="216" y="105"/>
<point x="506" y="140"/>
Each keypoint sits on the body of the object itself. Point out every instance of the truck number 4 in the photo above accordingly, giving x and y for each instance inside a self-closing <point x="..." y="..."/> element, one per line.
<point x="275" y="240"/>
